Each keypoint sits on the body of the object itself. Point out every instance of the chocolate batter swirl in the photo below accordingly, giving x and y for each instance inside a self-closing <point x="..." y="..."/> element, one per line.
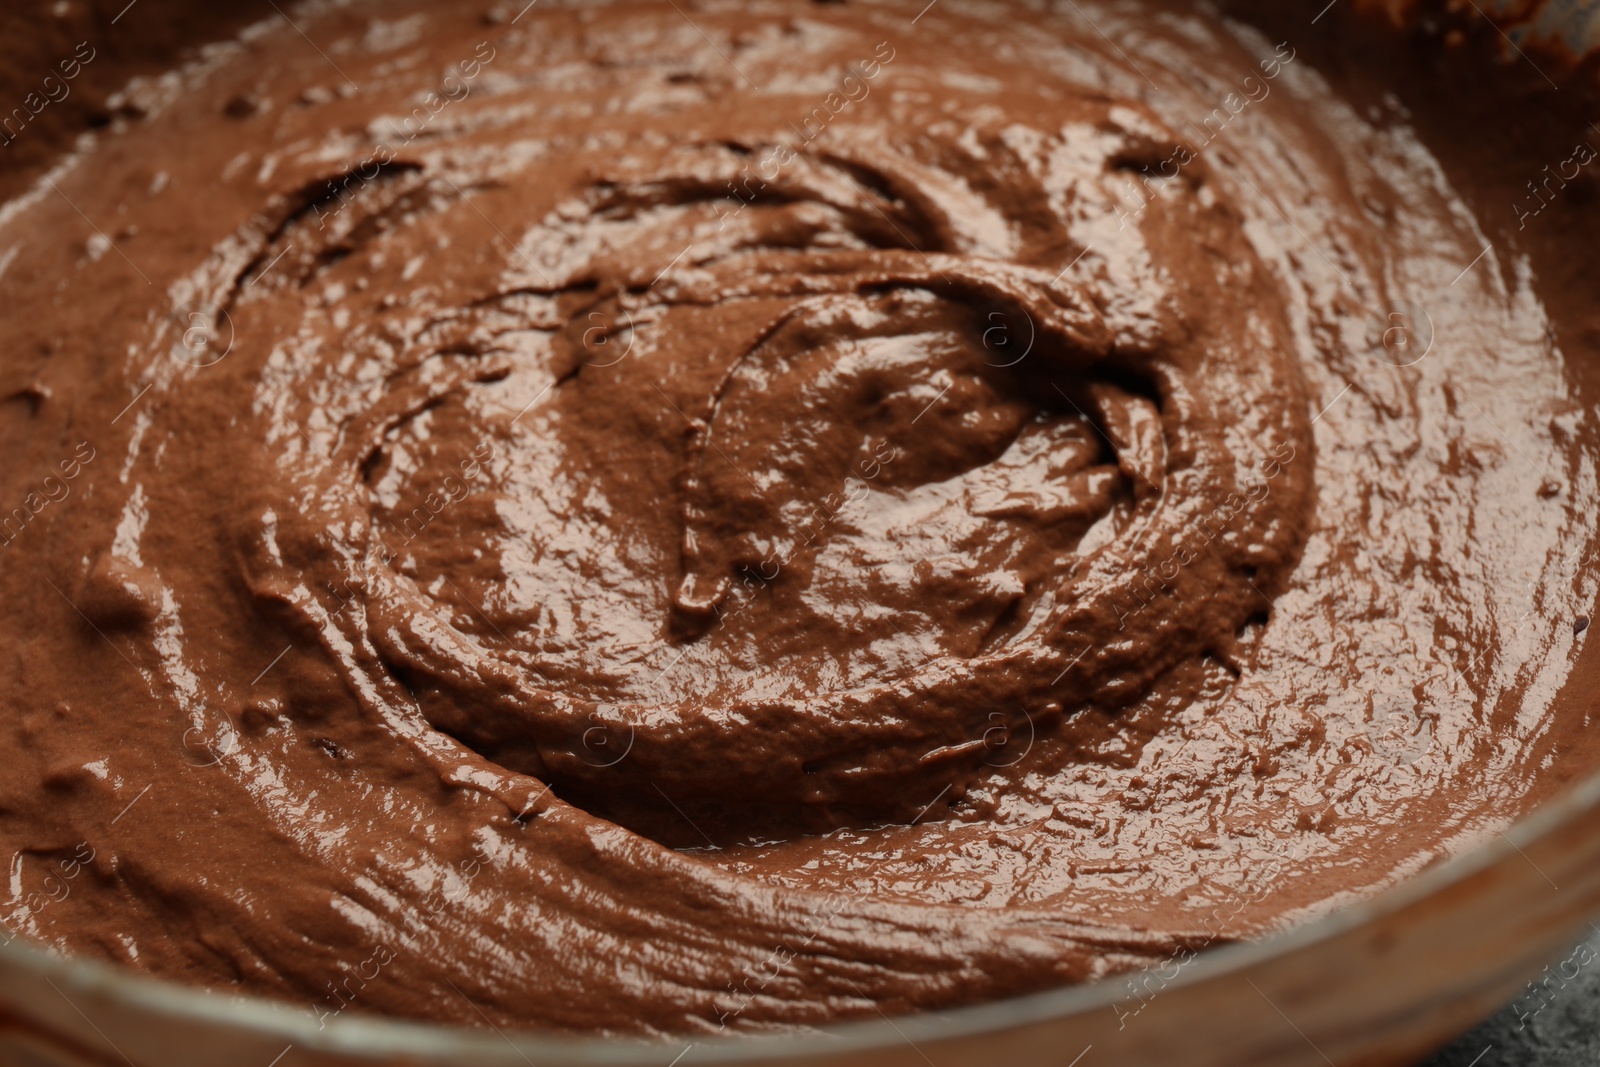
<point x="835" y="352"/>
<point x="618" y="519"/>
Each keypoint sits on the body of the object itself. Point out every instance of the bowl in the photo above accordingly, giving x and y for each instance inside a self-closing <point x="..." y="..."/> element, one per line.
<point x="1381" y="982"/>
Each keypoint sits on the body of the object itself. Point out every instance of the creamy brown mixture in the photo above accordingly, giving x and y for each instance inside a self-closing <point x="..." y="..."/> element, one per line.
<point x="646" y="518"/>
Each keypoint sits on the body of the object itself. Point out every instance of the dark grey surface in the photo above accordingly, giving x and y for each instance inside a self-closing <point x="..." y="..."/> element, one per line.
<point x="1554" y="1023"/>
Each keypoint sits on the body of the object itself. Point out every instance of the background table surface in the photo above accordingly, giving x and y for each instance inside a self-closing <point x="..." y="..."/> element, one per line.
<point x="1557" y="1027"/>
